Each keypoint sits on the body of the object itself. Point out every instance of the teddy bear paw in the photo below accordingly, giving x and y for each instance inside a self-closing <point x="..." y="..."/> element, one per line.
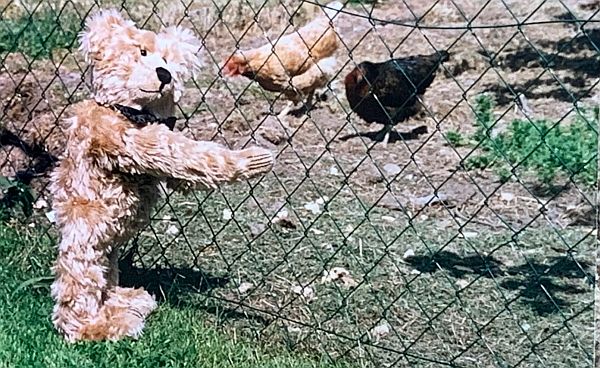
<point x="255" y="161"/>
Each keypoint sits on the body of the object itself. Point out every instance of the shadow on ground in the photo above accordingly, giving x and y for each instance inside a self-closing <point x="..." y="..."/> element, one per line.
<point x="175" y="285"/>
<point x="556" y="55"/>
<point x="395" y="136"/>
<point x="544" y="287"/>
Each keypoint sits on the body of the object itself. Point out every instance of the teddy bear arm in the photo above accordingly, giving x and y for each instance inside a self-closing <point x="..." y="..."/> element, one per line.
<point x="156" y="151"/>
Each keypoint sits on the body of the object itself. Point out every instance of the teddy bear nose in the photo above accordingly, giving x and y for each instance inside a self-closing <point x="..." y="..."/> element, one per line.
<point x="163" y="75"/>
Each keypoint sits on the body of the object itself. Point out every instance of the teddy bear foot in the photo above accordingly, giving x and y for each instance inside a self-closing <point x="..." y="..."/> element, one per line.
<point x="138" y="300"/>
<point x="255" y="161"/>
<point x="122" y="315"/>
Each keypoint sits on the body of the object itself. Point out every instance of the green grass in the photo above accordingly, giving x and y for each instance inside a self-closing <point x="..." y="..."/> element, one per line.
<point x="544" y="148"/>
<point x="174" y="337"/>
<point x="38" y="35"/>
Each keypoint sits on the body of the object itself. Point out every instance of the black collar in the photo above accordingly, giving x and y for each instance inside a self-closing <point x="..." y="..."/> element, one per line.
<point x="143" y="117"/>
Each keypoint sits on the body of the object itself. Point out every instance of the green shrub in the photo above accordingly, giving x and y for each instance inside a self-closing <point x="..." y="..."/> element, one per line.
<point x="543" y="147"/>
<point x="37" y="35"/>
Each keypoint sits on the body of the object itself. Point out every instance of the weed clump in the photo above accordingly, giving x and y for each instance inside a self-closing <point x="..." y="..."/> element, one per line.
<point x="542" y="147"/>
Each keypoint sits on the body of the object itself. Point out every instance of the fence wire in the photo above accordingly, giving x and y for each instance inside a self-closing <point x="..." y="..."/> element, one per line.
<point x="468" y="240"/>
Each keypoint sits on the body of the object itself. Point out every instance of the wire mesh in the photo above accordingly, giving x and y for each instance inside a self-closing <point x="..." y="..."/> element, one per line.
<point x="467" y="240"/>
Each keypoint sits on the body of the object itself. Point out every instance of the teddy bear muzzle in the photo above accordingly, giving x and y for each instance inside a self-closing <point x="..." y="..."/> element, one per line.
<point x="164" y="77"/>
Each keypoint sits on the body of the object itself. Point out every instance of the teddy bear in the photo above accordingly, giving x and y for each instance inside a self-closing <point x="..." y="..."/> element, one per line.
<point x="119" y="148"/>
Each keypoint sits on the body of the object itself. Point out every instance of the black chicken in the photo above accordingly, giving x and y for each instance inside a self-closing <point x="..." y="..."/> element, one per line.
<point x="387" y="93"/>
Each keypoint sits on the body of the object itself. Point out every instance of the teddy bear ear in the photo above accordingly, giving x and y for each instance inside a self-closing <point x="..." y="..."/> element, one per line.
<point x="180" y="46"/>
<point x="98" y="30"/>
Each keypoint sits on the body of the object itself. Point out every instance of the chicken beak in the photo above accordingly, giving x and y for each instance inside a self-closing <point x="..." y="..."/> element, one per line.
<point x="228" y="70"/>
<point x="232" y="67"/>
<point x="360" y="76"/>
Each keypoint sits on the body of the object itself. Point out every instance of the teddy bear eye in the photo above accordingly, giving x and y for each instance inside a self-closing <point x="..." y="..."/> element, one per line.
<point x="143" y="52"/>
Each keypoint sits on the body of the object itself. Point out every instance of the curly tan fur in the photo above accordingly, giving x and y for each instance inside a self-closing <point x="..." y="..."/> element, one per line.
<point x="108" y="177"/>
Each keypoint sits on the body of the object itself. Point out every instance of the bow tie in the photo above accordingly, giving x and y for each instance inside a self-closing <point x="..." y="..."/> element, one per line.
<point x="143" y="117"/>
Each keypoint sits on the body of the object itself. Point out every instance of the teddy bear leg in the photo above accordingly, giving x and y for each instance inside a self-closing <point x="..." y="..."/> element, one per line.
<point x="87" y="311"/>
<point x="87" y="306"/>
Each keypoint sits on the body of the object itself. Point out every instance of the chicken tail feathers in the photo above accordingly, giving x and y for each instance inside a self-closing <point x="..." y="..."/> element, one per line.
<point x="333" y="8"/>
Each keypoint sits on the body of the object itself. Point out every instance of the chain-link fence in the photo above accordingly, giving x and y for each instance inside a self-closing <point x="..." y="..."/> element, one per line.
<point x="467" y="240"/>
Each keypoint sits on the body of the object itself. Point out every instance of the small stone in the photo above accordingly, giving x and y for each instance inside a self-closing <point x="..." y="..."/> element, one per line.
<point x="388" y="218"/>
<point x="313" y="207"/>
<point x="338" y="273"/>
<point x="329" y="247"/>
<point x="507" y="196"/>
<point x="282" y="219"/>
<point x="334" y="171"/>
<point x="462" y="283"/>
<point x="408" y="254"/>
<point x="272" y="131"/>
<point x="294" y="329"/>
<point x="40" y="203"/>
<point x="282" y="214"/>
<point x="245" y="287"/>
<point x="227" y="214"/>
<point x="51" y="216"/>
<point x="172" y="230"/>
<point x="469" y="234"/>
<point x="392" y="169"/>
<point x="317" y="231"/>
<point x="322" y="200"/>
<point x="381" y="331"/>
<point x="430" y="200"/>
<point x="256" y="229"/>
<point x="307" y="292"/>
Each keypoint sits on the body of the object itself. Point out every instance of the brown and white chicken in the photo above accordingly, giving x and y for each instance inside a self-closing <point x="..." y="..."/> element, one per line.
<point x="296" y="64"/>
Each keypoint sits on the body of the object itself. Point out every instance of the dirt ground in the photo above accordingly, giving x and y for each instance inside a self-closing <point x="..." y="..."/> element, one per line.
<point x="492" y="275"/>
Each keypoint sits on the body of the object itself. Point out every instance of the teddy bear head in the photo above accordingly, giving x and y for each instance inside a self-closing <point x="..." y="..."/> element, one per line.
<point x="138" y="68"/>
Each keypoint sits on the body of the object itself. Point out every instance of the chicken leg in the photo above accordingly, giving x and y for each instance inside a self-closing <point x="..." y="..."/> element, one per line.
<point x="384" y="134"/>
<point x="285" y="111"/>
<point x="306" y="107"/>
